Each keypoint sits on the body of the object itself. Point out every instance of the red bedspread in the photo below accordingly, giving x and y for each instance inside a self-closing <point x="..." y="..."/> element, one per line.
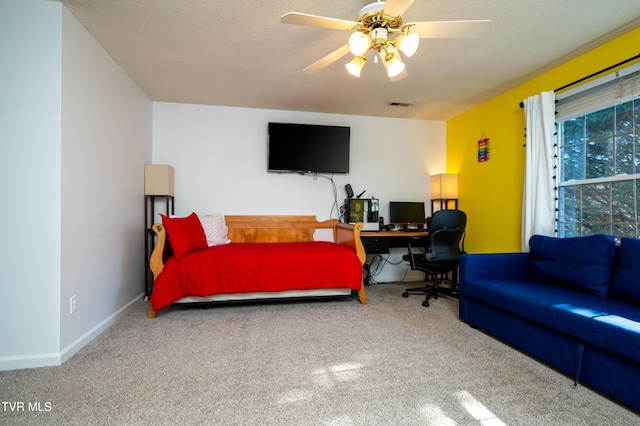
<point x="253" y="267"/>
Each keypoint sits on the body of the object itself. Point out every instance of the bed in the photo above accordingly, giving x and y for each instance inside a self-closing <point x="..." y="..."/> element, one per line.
<point x="254" y="258"/>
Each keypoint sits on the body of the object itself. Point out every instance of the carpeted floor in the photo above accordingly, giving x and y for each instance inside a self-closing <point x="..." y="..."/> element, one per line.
<point x="314" y="363"/>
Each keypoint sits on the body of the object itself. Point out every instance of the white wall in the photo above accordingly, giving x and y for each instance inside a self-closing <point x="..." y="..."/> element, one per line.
<point x="75" y="132"/>
<point x="30" y="52"/>
<point x="220" y="160"/>
<point x="106" y="140"/>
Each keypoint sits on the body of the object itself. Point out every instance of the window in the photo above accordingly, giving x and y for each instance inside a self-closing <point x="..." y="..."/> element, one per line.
<point x="598" y="143"/>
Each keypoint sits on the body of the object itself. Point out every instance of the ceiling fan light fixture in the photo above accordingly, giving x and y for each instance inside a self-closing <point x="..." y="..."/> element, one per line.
<point x="391" y="60"/>
<point x="358" y="43"/>
<point x="355" y="66"/>
<point x="395" y="67"/>
<point x="392" y="63"/>
<point x="399" y="76"/>
<point x="408" y="44"/>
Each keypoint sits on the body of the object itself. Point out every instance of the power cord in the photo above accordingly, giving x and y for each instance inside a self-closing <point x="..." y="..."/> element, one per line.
<point x="334" y="206"/>
<point x="377" y="265"/>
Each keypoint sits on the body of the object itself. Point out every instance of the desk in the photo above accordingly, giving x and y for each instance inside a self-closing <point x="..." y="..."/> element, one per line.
<point x="377" y="242"/>
<point x="382" y="242"/>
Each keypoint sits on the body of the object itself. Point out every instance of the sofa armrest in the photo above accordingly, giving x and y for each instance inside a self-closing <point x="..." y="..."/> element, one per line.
<point x="490" y="266"/>
<point x="513" y="266"/>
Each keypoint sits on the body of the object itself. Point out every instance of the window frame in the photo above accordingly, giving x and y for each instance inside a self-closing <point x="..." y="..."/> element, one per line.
<point x="598" y="95"/>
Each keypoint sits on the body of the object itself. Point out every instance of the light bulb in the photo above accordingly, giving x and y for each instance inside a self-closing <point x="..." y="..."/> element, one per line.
<point x="358" y="43"/>
<point x="408" y="43"/>
<point x="355" y="66"/>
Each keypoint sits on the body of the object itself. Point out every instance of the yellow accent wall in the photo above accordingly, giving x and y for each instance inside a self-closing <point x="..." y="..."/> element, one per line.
<point x="490" y="192"/>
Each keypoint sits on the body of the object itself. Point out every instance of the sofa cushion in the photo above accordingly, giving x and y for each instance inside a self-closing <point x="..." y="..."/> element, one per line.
<point x="582" y="263"/>
<point x="626" y="279"/>
<point x="599" y="321"/>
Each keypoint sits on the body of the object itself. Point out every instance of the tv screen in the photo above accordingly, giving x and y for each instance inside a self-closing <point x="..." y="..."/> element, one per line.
<point x="406" y="213"/>
<point x="308" y="148"/>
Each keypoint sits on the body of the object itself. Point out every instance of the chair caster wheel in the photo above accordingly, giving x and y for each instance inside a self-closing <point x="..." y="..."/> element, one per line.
<point x="405" y="294"/>
<point x="425" y="304"/>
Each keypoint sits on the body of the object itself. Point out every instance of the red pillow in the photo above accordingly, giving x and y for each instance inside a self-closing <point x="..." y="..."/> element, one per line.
<point x="185" y="234"/>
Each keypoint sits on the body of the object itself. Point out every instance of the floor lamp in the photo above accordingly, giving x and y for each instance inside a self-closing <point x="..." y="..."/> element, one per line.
<point x="158" y="184"/>
<point x="444" y="192"/>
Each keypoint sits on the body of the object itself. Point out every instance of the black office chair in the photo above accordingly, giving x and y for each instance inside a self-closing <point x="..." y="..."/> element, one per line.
<point x="446" y="244"/>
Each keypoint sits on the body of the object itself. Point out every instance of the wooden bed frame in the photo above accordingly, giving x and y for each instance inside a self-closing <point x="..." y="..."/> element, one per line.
<point x="269" y="229"/>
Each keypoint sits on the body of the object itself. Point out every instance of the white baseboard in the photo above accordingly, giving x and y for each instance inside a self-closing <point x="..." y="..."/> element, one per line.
<point x="81" y="341"/>
<point x="57" y="358"/>
<point x="29" y="361"/>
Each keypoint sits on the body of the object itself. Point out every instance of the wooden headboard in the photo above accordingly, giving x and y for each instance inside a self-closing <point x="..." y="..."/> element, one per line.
<point x="285" y="229"/>
<point x="270" y="229"/>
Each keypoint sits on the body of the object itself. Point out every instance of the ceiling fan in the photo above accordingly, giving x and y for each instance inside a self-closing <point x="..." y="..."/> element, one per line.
<point x="380" y="27"/>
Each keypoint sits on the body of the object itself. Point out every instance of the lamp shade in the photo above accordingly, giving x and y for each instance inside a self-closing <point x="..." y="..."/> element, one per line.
<point x="444" y="186"/>
<point x="158" y="179"/>
<point x="394" y="66"/>
<point x="355" y="66"/>
<point x="392" y="62"/>
<point x="358" y="43"/>
<point x="408" y="44"/>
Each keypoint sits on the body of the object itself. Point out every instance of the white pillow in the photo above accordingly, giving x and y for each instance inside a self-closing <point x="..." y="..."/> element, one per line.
<point x="215" y="228"/>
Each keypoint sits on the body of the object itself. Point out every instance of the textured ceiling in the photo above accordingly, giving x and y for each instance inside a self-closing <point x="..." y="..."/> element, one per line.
<point x="237" y="53"/>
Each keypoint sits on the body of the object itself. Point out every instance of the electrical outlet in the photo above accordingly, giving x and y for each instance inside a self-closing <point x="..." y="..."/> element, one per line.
<point x="72" y="304"/>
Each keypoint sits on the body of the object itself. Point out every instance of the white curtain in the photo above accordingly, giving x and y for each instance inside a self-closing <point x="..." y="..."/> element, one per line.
<point x="538" y="203"/>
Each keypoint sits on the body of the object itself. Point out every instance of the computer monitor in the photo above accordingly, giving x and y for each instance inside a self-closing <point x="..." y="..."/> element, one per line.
<point x="406" y="213"/>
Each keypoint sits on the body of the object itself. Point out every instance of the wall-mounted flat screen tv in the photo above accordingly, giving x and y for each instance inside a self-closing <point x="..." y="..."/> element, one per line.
<point x="308" y="148"/>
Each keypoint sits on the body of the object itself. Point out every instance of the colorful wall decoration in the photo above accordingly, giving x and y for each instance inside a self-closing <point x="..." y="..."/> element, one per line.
<point x="483" y="149"/>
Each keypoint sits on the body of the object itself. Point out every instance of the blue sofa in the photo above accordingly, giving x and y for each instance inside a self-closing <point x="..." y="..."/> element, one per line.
<point x="573" y="303"/>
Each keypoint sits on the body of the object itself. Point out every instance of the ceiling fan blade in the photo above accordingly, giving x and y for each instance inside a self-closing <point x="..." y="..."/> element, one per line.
<point x="327" y="60"/>
<point x="450" y="29"/>
<point x="316" y="21"/>
<point x="396" y="7"/>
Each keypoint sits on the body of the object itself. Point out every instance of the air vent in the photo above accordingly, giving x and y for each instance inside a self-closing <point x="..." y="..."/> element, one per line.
<point x="400" y="104"/>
